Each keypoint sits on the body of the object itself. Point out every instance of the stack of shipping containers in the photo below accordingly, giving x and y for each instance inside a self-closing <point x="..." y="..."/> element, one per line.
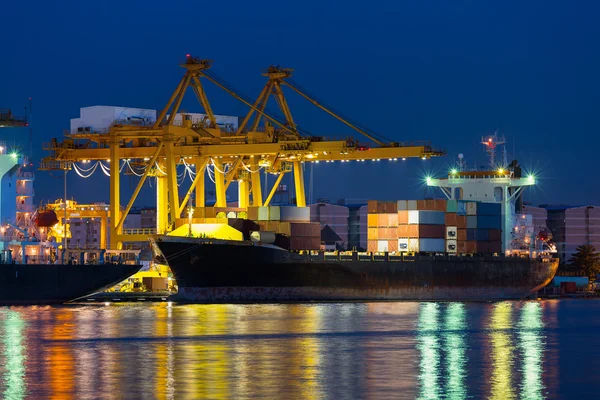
<point x="382" y="226"/>
<point x="292" y="222"/>
<point x="421" y="225"/>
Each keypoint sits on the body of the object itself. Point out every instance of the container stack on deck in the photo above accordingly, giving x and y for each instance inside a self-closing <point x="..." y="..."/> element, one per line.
<point x="434" y="226"/>
<point x="382" y="226"/>
<point x="293" y="223"/>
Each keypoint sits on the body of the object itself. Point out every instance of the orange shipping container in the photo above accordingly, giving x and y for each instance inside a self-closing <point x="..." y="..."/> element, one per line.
<point x="408" y="231"/>
<point x="461" y="234"/>
<point x="382" y="220"/>
<point x="387" y="233"/>
<point x="372" y="220"/>
<point x="393" y="245"/>
<point x="450" y="219"/>
<point x="471" y="246"/>
<point x="393" y="220"/>
<point x="461" y="247"/>
<point x="431" y="205"/>
<point x="402" y="217"/>
<point x="461" y="221"/>
<point x="372" y="246"/>
<point x="372" y="206"/>
<point x="372" y="233"/>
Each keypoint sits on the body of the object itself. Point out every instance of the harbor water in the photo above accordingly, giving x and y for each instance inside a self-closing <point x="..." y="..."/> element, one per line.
<point x="505" y="350"/>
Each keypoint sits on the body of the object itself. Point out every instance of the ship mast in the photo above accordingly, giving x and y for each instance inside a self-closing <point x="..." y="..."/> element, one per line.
<point x="491" y="142"/>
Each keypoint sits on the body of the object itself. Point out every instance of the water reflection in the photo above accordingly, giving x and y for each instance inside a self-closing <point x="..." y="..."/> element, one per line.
<point x="14" y="354"/>
<point x="532" y="347"/>
<point x="163" y="351"/>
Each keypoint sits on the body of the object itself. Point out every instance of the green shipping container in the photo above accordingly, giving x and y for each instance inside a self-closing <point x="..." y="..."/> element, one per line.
<point x="451" y="206"/>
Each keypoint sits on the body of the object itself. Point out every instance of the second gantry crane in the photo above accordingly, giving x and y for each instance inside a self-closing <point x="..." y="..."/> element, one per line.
<point x="262" y="140"/>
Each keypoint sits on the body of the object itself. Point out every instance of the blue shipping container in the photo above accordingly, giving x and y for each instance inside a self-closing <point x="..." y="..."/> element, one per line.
<point x="580" y="281"/>
<point x="432" y="218"/>
<point x="489" y="222"/>
<point x="461" y="207"/>
<point x="478" y="234"/>
<point x="471" y="221"/>
<point x="432" y="245"/>
<point x="489" y="209"/>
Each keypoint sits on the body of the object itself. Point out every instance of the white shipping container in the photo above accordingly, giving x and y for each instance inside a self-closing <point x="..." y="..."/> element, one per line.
<point x="413" y="244"/>
<point x="294" y="214"/>
<point x="382" y="246"/>
<point x="263" y="213"/>
<point x="472" y="208"/>
<point x="402" y="205"/>
<point x="451" y="246"/>
<point x="403" y="244"/>
<point x="451" y="232"/>
<point x="274" y="213"/>
<point x="413" y="217"/>
<point x="411" y="204"/>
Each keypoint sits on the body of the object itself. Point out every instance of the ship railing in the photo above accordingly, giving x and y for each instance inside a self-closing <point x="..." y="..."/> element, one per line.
<point x="139" y="231"/>
<point x="398" y="257"/>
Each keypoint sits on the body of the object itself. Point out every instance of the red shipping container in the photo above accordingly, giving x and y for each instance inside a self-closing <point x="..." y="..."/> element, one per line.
<point x="432" y="231"/>
<point x="402" y="217"/>
<point x="431" y="205"/>
<point x="495" y="235"/>
<point x="461" y="247"/>
<point x="393" y="245"/>
<point x="305" y="243"/>
<point x="372" y="206"/>
<point x="496" y="247"/>
<point x="461" y="234"/>
<point x="568" y="287"/>
<point x="305" y="229"/>
<point x="450" y="219"/>
<point x="471" y="246"/>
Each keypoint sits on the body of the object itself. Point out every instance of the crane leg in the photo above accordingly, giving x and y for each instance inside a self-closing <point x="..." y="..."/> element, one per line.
<point x="220" y="185"/>
<point x="243" y="193"/>
<point x="172" y="180"/>
<point x="115" y="198"/>
<point x="200" y="173"/>
<point x="162" y="204"/>
<point x="299" y="184"/>
<point x="256" y="185"/>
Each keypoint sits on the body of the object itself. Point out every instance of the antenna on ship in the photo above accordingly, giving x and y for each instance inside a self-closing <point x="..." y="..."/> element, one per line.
<point x="461" y="162"/>
<point x="491" y="142"/>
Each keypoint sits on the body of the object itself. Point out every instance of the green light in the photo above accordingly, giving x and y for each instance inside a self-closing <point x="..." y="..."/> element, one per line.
<point x="453" y="171"/>
<point x="14" y="155"/>
<point x="531" y="178"/>
<point x="428" y="180"/>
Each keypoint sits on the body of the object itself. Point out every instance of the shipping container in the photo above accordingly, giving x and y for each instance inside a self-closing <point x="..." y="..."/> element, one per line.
<point x="470" y="246"/>
<point x="372" y="233"/>
<point x="413" y="244"/>
<point x="382" y="220"/>
<point x="495" y="234"/>
<point x="402" y="217"/>
<point x="305" y="229"/>
<point x="411" y="205"/>
<point x="461" y="221"/>
<point x="393" y="246"/>
<point x="403" y="244"/>
<point x="372" y="220"/>
<point x="478" y="234"/>
<point x="387" y="233"/>
<point x="372" y="246"/>
<point x="408" y="231"/>
<point x="382" y="207"/>
<point x="426" y="217"/>
<point x="489" y="208"/>
<point x="431" y="205"/>
<point x="402" y="205"/>
<point x="472" y="222"/>
<point x="451" y="232"/>
<point x="451" y="246"/>
<point x="432" y="245"/>
<point x="294" y="214"/>
<point x="461" y="234"/>
<point x="461" y="207"/>
<point x="275" y="213"/>
<point x="305" y="243"/>
<point x="451" y="206"/>
<point x="382" y="246"/>
<point x="432" y="231"/>
<point x="471" y="208"/>
<point x="393" y="220"/>
<point x="461" y="247"/>
<point x="489" y="221"/>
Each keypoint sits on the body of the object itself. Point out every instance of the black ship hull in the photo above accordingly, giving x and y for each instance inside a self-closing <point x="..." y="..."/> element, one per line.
<point x="29" y="284"/>
<point x="215" y="271"/>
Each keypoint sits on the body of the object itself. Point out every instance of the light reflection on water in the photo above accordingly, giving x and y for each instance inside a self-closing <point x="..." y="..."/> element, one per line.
<point x="374" y="350"/>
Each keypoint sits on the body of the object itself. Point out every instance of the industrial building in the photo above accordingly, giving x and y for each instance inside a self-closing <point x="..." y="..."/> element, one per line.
<point x="573" y="226"/>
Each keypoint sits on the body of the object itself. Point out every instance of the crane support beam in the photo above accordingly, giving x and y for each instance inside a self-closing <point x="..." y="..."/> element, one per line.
<point x="199" y="90"/>
<point x="232" y="172"/>
<point x="179" y="99"/>
<point x="165" y="110"/>
<point x="261" y="107"/>
<point x="256" y="184"/>
<point x="221" y="192"/>
<point x="256" y="104"/>
<point x="273" y="189"/>
<point x="172" y="179"/>
<point x="243" y="193"/>
<point x="199" y="177"/>
<point x="162" y="204"/>
<point x="283" y="105"/>
<point x="328" y="150"/>
<point x="200" y="174"/>
<point x="139" y="186"/>
<point x="115" y="197"/>
<point x="299" y="184"/>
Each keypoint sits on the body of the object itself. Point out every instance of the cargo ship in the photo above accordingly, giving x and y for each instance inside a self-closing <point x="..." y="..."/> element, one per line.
<point x="475" y="245"/>
<point x="33" y="269"/>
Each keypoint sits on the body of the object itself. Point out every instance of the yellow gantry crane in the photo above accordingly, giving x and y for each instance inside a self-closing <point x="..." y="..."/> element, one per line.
<point x="277" y="145"/>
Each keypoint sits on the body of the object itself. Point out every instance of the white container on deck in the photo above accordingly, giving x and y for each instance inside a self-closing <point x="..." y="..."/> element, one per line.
<point x="413" y="244"/>
<point x="382" y="246"/>
<point x="451" y="246"/>
<point x="451" y="232"/>
<point x="403" y="244"/>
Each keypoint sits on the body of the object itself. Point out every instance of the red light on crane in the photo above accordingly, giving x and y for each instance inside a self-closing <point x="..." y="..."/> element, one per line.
<point x="188" y="55"/>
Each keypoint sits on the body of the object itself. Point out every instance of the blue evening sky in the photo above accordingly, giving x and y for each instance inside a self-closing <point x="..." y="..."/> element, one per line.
<point x="444" y="71"/>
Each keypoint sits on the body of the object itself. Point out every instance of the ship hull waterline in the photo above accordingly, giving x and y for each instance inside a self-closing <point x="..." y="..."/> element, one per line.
<point x="48" y="284"/>
<point x="220" y="272"/>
